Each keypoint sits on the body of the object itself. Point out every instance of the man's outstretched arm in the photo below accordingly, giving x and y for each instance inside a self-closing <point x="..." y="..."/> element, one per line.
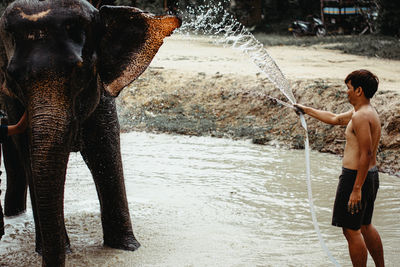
<point x="326" y="116"/>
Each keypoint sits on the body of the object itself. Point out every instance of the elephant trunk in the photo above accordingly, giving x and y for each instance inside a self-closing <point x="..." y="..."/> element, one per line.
<point x="50" y="138"/>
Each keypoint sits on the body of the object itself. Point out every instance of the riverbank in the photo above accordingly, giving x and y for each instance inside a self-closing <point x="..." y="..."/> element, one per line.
<point x="195" y="88"/>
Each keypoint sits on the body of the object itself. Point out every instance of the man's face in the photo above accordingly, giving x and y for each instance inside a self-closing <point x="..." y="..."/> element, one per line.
<point x="350" y="92"/>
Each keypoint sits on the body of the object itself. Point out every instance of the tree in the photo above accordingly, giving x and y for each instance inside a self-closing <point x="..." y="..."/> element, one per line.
<point x="389" y="17"/>
<point x="247" y="11"/>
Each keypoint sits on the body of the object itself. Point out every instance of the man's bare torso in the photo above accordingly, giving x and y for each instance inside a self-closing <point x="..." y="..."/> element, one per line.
<point x="351" y="152"/>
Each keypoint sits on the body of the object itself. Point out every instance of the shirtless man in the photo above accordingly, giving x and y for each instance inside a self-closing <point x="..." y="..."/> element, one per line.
<point x="359" y="181"/>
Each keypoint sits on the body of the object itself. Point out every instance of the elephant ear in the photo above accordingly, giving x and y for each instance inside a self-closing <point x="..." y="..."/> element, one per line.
<point x="130" y="40"/>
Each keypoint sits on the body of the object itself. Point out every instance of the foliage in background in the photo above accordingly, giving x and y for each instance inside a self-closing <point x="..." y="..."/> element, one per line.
<point x="389" y="19"/>
<point x="276" y="14"/>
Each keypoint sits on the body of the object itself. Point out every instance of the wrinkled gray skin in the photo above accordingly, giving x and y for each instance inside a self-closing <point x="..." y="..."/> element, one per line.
<point x="64" y="61"/>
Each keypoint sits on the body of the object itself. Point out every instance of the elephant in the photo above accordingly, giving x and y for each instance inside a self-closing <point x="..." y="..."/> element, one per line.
<point x="64" y="62"/>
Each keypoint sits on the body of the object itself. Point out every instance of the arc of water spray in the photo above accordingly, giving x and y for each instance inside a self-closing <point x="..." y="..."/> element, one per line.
<point x="230" y="33"/>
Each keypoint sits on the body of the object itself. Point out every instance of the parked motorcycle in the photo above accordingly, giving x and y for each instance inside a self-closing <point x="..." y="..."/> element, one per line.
<point x="313" y="26"/>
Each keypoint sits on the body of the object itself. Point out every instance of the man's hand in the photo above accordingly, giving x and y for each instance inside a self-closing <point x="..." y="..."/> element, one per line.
<point x="299" y="109"/>
<point x="354" y="204"/>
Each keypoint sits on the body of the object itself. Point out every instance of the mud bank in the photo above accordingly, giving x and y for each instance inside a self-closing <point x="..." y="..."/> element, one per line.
<point x="237" y="106"/>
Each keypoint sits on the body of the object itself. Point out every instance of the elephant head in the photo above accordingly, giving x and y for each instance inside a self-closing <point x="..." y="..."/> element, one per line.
<point x="64" y="61"/>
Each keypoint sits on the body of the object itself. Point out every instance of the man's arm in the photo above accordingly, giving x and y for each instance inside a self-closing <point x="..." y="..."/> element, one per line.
<point x="19" y="127"/>
<point x="326" y="116"/>
<point x="362" y="131"/>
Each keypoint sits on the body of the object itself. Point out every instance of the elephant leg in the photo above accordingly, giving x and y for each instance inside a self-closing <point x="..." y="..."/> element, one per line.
<point x="15" y="197"/>
<point x="1" y="218"/>
<point x="101" y="152"/>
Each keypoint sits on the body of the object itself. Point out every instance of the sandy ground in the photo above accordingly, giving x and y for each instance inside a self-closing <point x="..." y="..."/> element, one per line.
<point x="199" y="54"/>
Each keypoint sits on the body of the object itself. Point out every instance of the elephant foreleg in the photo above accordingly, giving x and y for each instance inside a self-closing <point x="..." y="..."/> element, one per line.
<point x="101" y="152"/>
<point x="14" y="149"/>
<point x="1" y="219"/>
<point x="15" y="197"/>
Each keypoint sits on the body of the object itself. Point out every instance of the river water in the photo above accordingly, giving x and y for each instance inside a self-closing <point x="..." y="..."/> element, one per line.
<point x="201" y="201"/>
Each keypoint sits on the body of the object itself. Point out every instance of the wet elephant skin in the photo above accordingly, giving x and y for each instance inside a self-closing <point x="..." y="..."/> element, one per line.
<point x="64" y="62"/>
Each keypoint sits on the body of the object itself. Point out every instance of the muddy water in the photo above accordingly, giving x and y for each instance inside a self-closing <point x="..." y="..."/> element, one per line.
<point x="198" y="201"/>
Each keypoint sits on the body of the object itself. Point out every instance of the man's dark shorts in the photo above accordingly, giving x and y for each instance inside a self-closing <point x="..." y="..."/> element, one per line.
<point x="341" y="216"/>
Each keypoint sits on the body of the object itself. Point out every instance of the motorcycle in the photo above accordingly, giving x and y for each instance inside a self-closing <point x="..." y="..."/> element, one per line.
<point x="313" y="26"/>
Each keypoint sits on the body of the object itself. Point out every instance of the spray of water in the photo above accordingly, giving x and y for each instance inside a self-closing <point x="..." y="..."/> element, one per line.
<point x="224" y="29"/>
<point x="215" y="22"/>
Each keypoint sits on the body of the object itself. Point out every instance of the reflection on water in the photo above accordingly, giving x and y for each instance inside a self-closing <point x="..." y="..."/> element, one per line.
<point x="199" y="201"/>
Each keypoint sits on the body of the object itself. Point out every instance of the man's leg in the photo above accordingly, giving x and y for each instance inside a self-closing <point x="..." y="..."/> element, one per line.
<point x="374" y="244"/>
<point x="357" y="248"/>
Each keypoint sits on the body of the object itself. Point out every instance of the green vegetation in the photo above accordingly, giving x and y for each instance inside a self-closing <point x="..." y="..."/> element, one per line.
<point x="389" y="19"/>
<point x="383" y="45"/>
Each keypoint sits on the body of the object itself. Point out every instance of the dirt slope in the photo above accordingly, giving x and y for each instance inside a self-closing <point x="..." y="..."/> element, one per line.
<point x="194" y="87"/>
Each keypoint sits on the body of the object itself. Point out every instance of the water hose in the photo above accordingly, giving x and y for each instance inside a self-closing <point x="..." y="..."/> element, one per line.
<point x="309" y="190"/>
<point x="308" y="176"/>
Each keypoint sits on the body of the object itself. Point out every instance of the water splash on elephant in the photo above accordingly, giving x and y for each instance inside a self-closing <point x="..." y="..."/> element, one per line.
<point x="214" y="21"/>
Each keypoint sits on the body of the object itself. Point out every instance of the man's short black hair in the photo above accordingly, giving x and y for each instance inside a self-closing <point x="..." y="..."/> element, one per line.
<point x="364" y="79"/>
